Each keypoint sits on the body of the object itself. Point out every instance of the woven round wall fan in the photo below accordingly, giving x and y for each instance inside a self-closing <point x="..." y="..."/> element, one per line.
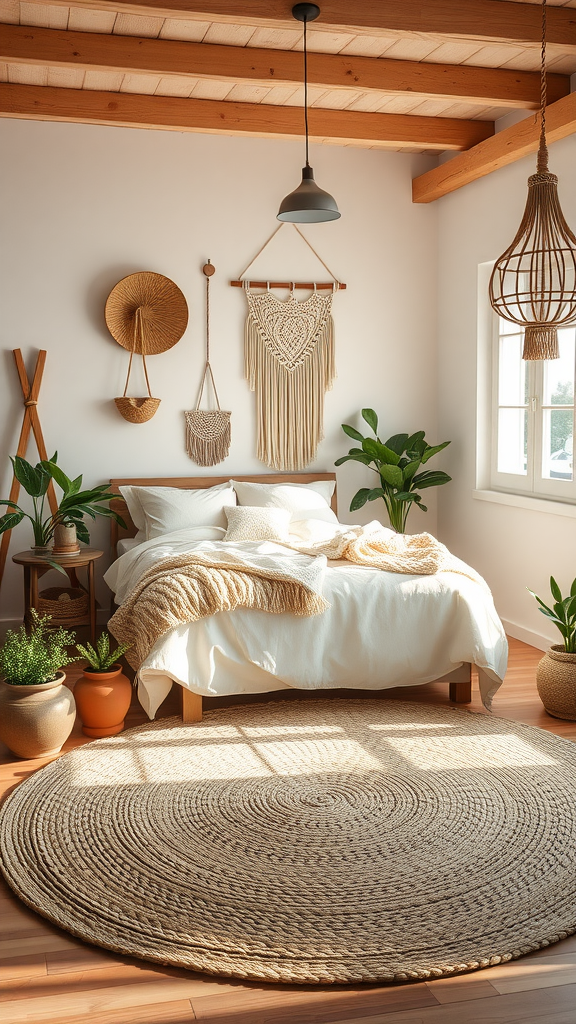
<point x="147" y="314"/>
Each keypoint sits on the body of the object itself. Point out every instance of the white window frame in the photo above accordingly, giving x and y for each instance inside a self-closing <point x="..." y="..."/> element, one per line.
<point x="533" y="483"/>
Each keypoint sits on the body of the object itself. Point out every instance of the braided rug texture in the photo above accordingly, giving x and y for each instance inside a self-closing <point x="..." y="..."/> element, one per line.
<point x="310" y="842"/>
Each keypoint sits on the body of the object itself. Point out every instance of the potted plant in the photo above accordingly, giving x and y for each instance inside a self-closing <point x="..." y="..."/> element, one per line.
<point x="103" y="693"/>
<point x="556" y="673"/>
<point x="37" y="711"/>
<point x="67" y="525"/>
<point x="396" y="461"/>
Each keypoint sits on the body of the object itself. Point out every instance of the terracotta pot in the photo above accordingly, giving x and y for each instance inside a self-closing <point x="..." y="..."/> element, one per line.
<point x="65" y="540"/>
<point x="102" y="699"/>
<point x="556" y="682"/>
<point x="36" y="720"/>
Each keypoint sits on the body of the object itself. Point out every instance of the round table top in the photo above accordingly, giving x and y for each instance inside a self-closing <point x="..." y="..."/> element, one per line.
<point x="82" y="557"/>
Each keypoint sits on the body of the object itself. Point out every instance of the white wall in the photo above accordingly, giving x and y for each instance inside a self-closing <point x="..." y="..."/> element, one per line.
<point x="82" y="206"/>
<point x="512" y="547"/>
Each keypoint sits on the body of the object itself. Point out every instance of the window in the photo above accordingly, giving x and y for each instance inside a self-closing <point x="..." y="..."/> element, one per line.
<point x="533" y="417"/>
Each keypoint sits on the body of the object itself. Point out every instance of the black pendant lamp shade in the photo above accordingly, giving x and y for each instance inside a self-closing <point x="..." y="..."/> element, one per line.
<point x="308" y="203"/>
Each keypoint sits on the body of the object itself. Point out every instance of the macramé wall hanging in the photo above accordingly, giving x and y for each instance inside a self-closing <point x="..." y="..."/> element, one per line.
<point x="289" y="363"/>
<point x="147" y="314"/>
<point x="208" y="431"/>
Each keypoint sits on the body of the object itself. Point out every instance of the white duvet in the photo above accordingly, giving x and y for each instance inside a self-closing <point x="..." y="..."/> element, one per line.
<point x="381" y="629"/>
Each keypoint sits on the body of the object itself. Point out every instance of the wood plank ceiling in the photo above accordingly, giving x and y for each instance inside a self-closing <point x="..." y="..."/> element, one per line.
<point x="397" y="74"/>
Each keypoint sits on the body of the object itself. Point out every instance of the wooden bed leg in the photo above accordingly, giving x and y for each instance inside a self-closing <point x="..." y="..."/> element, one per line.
<point x="461" y="691"/>
<point x="191" y="706"/>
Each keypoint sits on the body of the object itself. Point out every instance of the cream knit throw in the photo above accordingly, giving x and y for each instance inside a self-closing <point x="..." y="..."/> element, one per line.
<point x="379" y="548"/>
<point x="188" y="587"/>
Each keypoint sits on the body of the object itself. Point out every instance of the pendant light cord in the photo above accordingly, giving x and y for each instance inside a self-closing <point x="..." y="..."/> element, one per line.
<point x="306" y="93"/>
<point x="543" y="149"/>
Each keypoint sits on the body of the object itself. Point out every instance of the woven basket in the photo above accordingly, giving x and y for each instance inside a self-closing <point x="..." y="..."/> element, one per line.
<point x="137" y="410"/>
<point x="68" y="606"/>
<point x="556" y="682"/>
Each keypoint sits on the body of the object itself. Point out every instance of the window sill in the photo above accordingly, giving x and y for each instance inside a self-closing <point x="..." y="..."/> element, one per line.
<point x="555" y="508"/>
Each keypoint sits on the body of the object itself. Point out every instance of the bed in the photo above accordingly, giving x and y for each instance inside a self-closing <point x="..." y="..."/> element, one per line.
<point x="250" y="651"/>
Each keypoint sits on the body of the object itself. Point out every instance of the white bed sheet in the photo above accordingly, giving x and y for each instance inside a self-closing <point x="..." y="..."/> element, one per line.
<point x="381" y="630"/>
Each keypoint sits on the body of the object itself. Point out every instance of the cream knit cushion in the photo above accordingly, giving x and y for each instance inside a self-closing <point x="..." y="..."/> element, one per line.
<point x="253" y="523"/>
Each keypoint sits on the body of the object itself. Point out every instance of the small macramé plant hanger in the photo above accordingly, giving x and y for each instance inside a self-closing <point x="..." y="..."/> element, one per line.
<point x="289" y="363"/>
<point x="147" y="314"/>
<point x="208" y="431"/>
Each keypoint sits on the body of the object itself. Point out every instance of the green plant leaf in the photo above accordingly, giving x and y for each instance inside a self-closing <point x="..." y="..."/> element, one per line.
<point x="433" y="450"/>
<point x="409" y="470"/>
<point x="406" y="496"/>
<point x="10" y="520"/>
<point x="573" y="589"/>
<point x="423" y="507"/>
<point x="376" y="492"/>
<point x="359" y="499"/>
<point x="397" y="443"/>
<point x="82" y="533"/>
<point x="430" y="478"/>
<point x="29" y="477"/>
<point x="392" y="475"/>
<point x="371" y="419"/>
<point x="11" y="504"/>
<point x="55" y="565"/>
<point x="365" y="459"/>
<point x="414" y="439"/>
<point x="555" y="589"/>
<point x="352" y="432"/>
<point x="59" y="476"/>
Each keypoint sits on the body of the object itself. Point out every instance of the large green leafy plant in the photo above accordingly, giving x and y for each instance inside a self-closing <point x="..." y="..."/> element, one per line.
<point x="74" y="505"/>
<point x="562" y="613"/>
<point x="34" y="657"/>
<point x="397" y="462"/>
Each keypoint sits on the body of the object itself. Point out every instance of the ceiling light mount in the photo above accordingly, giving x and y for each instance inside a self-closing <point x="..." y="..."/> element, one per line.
<point x="308" y="203"/>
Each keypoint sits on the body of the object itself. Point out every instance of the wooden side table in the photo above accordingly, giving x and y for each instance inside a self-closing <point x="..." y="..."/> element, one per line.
<point x="36" y="565"/>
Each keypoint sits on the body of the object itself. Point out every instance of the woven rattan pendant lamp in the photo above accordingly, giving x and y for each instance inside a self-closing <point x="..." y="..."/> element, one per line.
<point x="533" y="284"/>
<point x="308" y="203"/>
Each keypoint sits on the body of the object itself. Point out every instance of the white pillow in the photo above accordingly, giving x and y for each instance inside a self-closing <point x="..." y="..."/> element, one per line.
<point x="165" y="509"/>
<point x="246" y="522"/>
<point x="135" y="511"/>
<point x="294" y="497"/>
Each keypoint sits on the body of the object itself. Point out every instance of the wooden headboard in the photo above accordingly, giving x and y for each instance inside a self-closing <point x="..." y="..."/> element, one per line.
<point x="193" y="483"/>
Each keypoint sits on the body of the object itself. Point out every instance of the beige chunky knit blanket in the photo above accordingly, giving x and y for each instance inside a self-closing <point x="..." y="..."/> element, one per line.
<point x="191" y="586"/>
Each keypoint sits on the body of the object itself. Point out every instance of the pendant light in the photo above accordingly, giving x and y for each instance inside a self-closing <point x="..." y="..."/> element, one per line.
<point x="533" y="284"/>
<point x="308" y="203"/>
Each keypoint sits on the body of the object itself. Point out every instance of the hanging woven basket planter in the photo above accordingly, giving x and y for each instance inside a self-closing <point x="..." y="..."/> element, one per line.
<point x="208" y="431"/>
<point x="147" y="314"/>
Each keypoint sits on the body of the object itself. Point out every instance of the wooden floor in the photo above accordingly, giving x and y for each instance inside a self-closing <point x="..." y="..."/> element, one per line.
<point x="47" y="976"/>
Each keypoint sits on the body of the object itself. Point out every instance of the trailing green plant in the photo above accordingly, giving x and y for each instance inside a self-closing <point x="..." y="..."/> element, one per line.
<point x="74" y="505"/>
<point x="101" y="658"/>
<point x="30" y="658"/>
<point x="396" y="461"/>
<point x="562" y="613"/>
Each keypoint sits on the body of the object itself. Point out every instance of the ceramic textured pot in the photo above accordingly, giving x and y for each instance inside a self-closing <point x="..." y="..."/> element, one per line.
<point x="36" y="720"/>
<point x="102" y="699"/>
<point x="65" y="540"/>
<point x="556" y="682"/>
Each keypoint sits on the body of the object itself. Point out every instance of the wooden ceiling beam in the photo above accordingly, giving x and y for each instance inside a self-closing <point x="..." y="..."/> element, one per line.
<point x="267" y="67"/>
<point x="503" y="148"/>
<point x="486" y="20"/>
<point x="342" y="127"/>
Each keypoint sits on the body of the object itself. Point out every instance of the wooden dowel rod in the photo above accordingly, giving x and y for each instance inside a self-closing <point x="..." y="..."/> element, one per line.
<point x="289" y="284"/>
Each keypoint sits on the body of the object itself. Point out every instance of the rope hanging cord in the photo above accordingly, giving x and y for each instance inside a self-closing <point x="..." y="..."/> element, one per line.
<point x="533" y="283"/>
<point x="335" y="284"/>
<point x="137" y="410"/>
<point x="208" y="431"/>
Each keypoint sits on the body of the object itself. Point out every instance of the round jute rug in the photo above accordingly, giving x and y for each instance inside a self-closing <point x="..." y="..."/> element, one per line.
<point x="312" y="841"/>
